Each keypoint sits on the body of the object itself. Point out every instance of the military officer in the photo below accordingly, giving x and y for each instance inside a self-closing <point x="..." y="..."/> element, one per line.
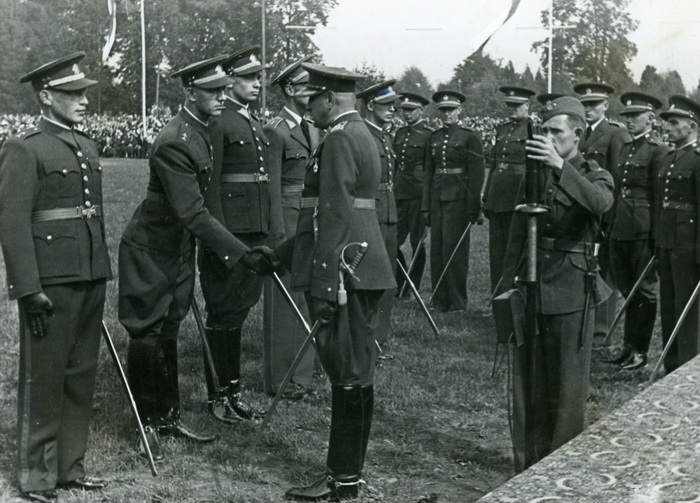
<point x="677" y="233"/>
<point x="240" y="197"/>
<point x="292" y="140"/>
<point x="631" y="229"/>
<point x="602" y="142"/>
<point x="545" y="98"/>
<point x="53" y="240"/>
<point x="577" y="192"/>
<point x="411" y="145"/>
<point x="380" y="105"/>
<point x="454" y="175"/>
<point x="157" y="252"/>
<point x="338" y="213"/>
<point x="506" y="174"/>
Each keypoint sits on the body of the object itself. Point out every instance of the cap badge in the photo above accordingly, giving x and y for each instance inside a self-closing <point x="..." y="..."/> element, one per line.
<point x="589" y="91"/>
<point x="629" y="103"/>
<point x="512" y="93"/>
<point x="75" y="70"/>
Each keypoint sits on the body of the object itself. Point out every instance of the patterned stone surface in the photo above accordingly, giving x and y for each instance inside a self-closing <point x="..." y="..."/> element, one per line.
<point x="647" y="451"/>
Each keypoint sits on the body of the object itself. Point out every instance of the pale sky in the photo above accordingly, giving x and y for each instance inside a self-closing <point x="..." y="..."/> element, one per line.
<point x="396" y="34"/>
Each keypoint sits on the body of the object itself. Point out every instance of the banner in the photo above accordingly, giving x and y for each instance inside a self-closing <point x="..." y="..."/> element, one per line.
<point x="109" y="39"/>
<point x="513" y="8"/>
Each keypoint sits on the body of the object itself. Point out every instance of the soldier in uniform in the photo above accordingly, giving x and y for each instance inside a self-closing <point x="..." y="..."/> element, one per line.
<point x="602" y="143"/>
<point x="53" y="240"/>
<point x="454" y="175"/>
<point x="379" y="105"/>
<point x="677" y="233"/>
<point x="577" y="192"/>
<point x="411" y="145"/>
<point x="157" y="252"/>
<point x="338" y="213"/>
<point x="545" y="98"/>
<point x="240" y="197"/>
<point x="506" y="175"/>
<point x="631" y="228"/>
<point x="292" y="140"/>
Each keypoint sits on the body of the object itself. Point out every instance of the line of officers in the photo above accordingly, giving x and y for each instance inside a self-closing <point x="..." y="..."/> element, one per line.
<point x="240" y="200"/>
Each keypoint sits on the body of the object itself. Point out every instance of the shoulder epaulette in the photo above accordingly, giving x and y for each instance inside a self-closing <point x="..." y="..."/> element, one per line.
<point x="29" y="132"/>
<point x="338" y="127"/>
<point x="616" y="124"/>
<point x="464" y="126"/>
<point x="428" y="128"/>
<point x="274" y="122"/>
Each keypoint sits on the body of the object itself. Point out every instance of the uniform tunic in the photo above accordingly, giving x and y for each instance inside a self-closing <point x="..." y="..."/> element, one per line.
<point x="343" y="174"/>
<point x="410" y="145"/>
<point x="501" y="192"/>
<point x="387" y="217"/>
<point x="53" y="241"/>
<point x="577" y="197"/>
<point x="282" y="332"/>
<point x="454" y="175"/>
<point x="678" y="249"/>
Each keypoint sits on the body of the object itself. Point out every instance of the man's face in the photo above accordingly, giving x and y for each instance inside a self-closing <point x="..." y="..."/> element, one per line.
<point x="680" y="130"/>
<point x="517" y="110"/>
<point x="67" y="107"/>
<point x="449" y="115"/>
<point x="411" y="115"/>
<point x="562" y="136"/>
<point x="209" y="102"/>
<point x="382" y="113"/>
<point x="292" y="90"/>
<point x="595" y="110"/>
<point x="246" y="88"/>
<point x="319" y="109"/>
<point x="638" y="122"/>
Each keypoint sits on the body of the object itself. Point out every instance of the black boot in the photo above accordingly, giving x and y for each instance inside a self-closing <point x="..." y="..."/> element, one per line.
<point x="225" y="346"/>
<point x="367" y="395"/>
<point x="153" y="439"/>
<point x="327" y="488"/>
<point x="172" y="425"/>
<point x="228" y="407"/>
<point x="645" y="314"/>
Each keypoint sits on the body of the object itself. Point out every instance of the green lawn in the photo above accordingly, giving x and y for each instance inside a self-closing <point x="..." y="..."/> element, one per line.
<point x="440" y="423"/>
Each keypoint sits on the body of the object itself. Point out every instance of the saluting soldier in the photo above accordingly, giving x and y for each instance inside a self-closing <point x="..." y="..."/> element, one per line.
<point x="53" y="240"/>
<point x="577" y="192"/>
<point x="411" y="145"/>
<point x="506" y="175"/>
<point x="240" y="197"/>
<point x="338" y="213"/>
<point x="454" y="175"/>
<point x="292" y="140"/>
<point x="602" y="143"/>
<point x="677" y="233"/>
<point x="380" y="104"/>
<point x="157" y="252"/>
<point x="631" y="228"/>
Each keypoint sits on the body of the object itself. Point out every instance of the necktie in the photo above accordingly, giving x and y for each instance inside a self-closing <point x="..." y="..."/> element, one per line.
<point x="589" y="130"/>
<point x="305" y="129"/>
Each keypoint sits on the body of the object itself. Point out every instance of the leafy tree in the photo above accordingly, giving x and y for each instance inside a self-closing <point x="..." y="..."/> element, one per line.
<point x="413" y="80"/>
<point x="372" y="75"/>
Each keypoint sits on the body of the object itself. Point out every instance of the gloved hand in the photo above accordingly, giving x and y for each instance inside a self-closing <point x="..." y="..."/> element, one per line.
<point x="37" y="308"/>
<point x="262" y="260"/>
<point x="425" y="215"/>
<point x="323" y="310"/>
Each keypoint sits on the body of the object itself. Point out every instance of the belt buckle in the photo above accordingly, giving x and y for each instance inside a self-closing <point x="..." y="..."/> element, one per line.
<point x="665" y="204"/>
<point x="390" y="186"/>
<point x="262" y="177"/>
<point x="88" y="212"/>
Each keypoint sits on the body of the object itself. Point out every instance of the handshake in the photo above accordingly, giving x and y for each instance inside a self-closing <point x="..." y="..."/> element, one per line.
<point x="262" y="260"/>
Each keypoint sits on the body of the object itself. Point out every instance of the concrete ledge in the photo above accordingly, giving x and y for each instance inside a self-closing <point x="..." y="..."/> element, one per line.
<point x="647" y="451"/>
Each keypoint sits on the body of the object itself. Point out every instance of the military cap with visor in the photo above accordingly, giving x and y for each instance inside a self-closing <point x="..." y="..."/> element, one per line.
<point x="207" y="74"/>
<point x="593" y="91"/>
<point x="636" y="102"/>
<point x="680" y="106"/>
<point x="449" y="99"/>
<point x="413" y="101"/>
<point x="516" y="95"/>
<point x="244" y="61"/>
<point x="61" y="75"/>
<point x="566" y="105"/>
<point x="293" y="73"/>
<point x="382" y="93"/>
<point x="329" y="78"/>
<point x="545" y="98"/>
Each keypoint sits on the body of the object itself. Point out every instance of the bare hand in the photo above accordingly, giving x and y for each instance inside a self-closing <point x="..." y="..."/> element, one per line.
<point x="540" y="148"/>
<point x="37" y="308"/>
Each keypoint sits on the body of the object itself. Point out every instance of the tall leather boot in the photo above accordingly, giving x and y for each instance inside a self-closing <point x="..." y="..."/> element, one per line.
<point x="645" y="315"/>
<point x="367" y="404"/>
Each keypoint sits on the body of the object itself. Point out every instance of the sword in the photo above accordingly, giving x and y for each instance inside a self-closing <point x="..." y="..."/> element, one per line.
<point x="628" y="300"/>
<point x="205" y="344"/>
<point x="132" y="402"/>
<point x="419" y="299"/>
<point x="449" y="261"/>
<point x="292" y="305"/>
<point x="421" y="244"/>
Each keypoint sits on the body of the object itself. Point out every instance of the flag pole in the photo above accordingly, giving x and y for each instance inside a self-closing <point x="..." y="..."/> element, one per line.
<point x="143" y="66"/>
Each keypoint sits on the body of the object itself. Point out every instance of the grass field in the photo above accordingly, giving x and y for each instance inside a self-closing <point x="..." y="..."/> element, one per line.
<point x="440" y="431"/>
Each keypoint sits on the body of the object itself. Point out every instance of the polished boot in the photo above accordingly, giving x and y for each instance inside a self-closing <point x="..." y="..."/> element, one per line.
<point x="153" y="439"/>
<point x="225" y="346"/>
<point x="172" y="425"/>
<point x="84" y="483"/>
<point x="637" y="360"/>
<point x="228" y="407"/>
<point x="327" y="488"/>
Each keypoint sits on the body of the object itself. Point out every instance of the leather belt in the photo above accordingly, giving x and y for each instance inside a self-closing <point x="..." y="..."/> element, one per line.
<point x="509" y="166"/>
<point x="676" y="205"/>
<point x="292" y="189"/>
<point x="359" y="203"/>
<point x="246" y="178"/>
<point x="66" y="213"/>
<point x="449" y="171"/>
<point x="389" y="187"/>
<point x="634" y="192"/>
<point x="564" y="245"/>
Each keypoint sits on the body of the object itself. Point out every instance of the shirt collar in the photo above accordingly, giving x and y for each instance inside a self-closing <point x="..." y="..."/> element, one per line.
<point x="297" y="118"/>
<point x="593" y="126"/>
<point x="374" y="126"/>
<point x="56" y="123"/>
<point x="642" y="134"/>
<point x="238" y="102"/>
<point x="204" y="124"/>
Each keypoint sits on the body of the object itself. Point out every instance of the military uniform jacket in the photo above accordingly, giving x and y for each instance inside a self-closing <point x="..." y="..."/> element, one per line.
<point x="240" y="148"/>
<point x="635" y="180"/>
<point x="678" y="190"/>
<point x="577" y="197"/>
<point x="508" y="168"/>
<point x="454" y="168"/>
<point x="604" y="144"/>
<point x="344" y="167"/>
<point x="386" y="204"/>
<point x="47" y="169"/>
<point x="410" y="145"/>
<point x="173" y="213"/>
